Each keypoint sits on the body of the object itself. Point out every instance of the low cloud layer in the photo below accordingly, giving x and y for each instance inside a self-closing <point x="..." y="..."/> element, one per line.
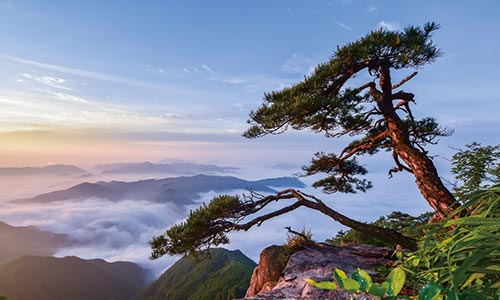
<point x="120" y="231"/>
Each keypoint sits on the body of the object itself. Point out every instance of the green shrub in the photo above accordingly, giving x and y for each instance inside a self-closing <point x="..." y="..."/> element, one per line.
<point x="405" y="224"/>
<point x="462" y="254"/>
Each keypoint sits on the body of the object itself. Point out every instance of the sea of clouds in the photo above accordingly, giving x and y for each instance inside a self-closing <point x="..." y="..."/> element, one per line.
<point x="121" y="231"/>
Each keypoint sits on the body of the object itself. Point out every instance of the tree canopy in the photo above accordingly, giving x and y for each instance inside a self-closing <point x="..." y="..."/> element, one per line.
<point x="377" y="115"/>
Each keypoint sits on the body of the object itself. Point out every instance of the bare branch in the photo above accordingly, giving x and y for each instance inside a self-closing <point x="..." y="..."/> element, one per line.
<point x="402" y="95"/>
<point x="370" y="84"/>
<point x="399" y="166"/>
<point x="259" y="220"/>
<point x="404" y="80"/>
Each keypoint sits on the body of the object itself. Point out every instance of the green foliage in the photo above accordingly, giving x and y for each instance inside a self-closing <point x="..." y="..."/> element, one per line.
<point x="324" y="103"/>
<point x="3" y="298"/>
<point x="462" y="255"/>
<point x="363" y="278"/>
<point x="406" y="224"/>
<point x="361" y="281"/>
<point x="204" y="226"/>
<point x="348" y="284"/>
<point x="324" y="285"/>
<point x="225" y="275"/>
<point x="475" y="168"/>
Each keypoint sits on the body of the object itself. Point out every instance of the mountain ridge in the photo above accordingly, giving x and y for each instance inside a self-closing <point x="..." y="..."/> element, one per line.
<point x="51" y="278"/>
<point x="223" y="275"/>
<point x="181" y="190"/>
<point x="17" y="241"/>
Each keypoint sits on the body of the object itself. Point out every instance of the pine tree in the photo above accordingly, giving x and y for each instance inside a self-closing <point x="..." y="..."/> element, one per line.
<point x="377" y="116"/>
<point x="377" y="112"/>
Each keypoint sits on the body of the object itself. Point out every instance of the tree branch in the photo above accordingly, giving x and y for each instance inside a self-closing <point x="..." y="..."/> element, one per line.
<point x="364" y="145"/>
<point x="317" y="204"/>
<point x="399" y="166"/>
<point x="404" y="80"/>
<point x="402" y="95"/>
<point x="259" y="220"/>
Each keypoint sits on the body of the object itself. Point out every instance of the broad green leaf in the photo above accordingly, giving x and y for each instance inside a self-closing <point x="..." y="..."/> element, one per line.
<point x="324" y="285"/>
<point x="379" y="289"/>
<point x="339" y="275"/>
<point x="351" y="285"/>
<point x="429" y="291"/>
<point x="345" y="282"/>
<point x="396" y="280"/>
<point x="363" y="278"/>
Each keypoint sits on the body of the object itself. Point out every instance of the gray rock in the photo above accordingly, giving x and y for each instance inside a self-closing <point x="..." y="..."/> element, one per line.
<point x="318" y="262"/>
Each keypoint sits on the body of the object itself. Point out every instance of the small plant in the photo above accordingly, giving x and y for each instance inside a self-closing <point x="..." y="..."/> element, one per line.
<point x="463" y="254"/>
<point x="360" y="281"/>
<point x="298" y="239"/>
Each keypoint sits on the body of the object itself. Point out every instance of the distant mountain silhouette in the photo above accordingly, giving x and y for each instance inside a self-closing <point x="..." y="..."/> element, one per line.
<point x="61" y="170"/>
<point x="226" y="275"/>
<point x="177" y="190"/>
<point x="69" y="278"/>
<point x="19" y="241"/>
<point x="180" y="168"/>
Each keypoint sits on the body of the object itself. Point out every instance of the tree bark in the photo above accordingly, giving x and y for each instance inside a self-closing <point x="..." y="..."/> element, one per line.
<point x="426" y="176"/>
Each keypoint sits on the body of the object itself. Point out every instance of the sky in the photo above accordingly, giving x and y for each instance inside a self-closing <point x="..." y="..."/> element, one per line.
<point x="90" y="81"/>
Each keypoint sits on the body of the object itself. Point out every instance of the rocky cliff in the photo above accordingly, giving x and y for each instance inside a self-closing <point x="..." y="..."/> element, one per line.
<point x="316" y="262"/>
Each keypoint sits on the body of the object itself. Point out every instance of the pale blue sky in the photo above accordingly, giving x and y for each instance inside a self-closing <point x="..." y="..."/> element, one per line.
<point x="178" y="78"/>
<point x="87" y="82"/>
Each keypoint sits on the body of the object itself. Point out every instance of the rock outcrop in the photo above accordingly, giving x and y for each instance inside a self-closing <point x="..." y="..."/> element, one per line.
<point x="266" y="275"/>
<point x="316" y="262"/>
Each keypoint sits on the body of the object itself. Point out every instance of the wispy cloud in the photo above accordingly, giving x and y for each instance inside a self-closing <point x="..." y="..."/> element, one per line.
<point x="83" y="73"/>
<point x="299" y="64"/>
<point x="234" y="80"/>
<point x="390" y="26"/>
<point x="372" y="8"/>
<point x="342" y="25"/>
<point x="55" y="82"/>
<point x="207" y="68"/>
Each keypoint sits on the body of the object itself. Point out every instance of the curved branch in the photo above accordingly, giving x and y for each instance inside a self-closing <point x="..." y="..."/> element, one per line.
<point x="399" y="166"/>
<point x="380" y="232"/>
<point x="317" y="204"/>
<point x="404" y="80"/>
<point x="364" y="145"/>
<point x="259" y="220"/>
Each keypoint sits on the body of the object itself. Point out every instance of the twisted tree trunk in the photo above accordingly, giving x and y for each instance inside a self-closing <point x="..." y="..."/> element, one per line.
<point x="426" y="176"/>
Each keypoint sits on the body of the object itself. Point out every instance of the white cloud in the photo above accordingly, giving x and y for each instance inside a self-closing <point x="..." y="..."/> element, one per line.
<point x="54" y="82"/>
<point x="84" y="73"/>
<point x="207" y="68"/>
<point x="390" y="26"/>
<point x="342" y="25"/>
<point x="298" y="64"/>
<point x="101" y="229"/>
<point x="234" y="80"/>
<point x="372" y="8"/>
<point x="69" y="97"/>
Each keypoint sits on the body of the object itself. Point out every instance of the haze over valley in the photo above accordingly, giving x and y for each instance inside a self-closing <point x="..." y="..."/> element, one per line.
<point x="119" y="119"/>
